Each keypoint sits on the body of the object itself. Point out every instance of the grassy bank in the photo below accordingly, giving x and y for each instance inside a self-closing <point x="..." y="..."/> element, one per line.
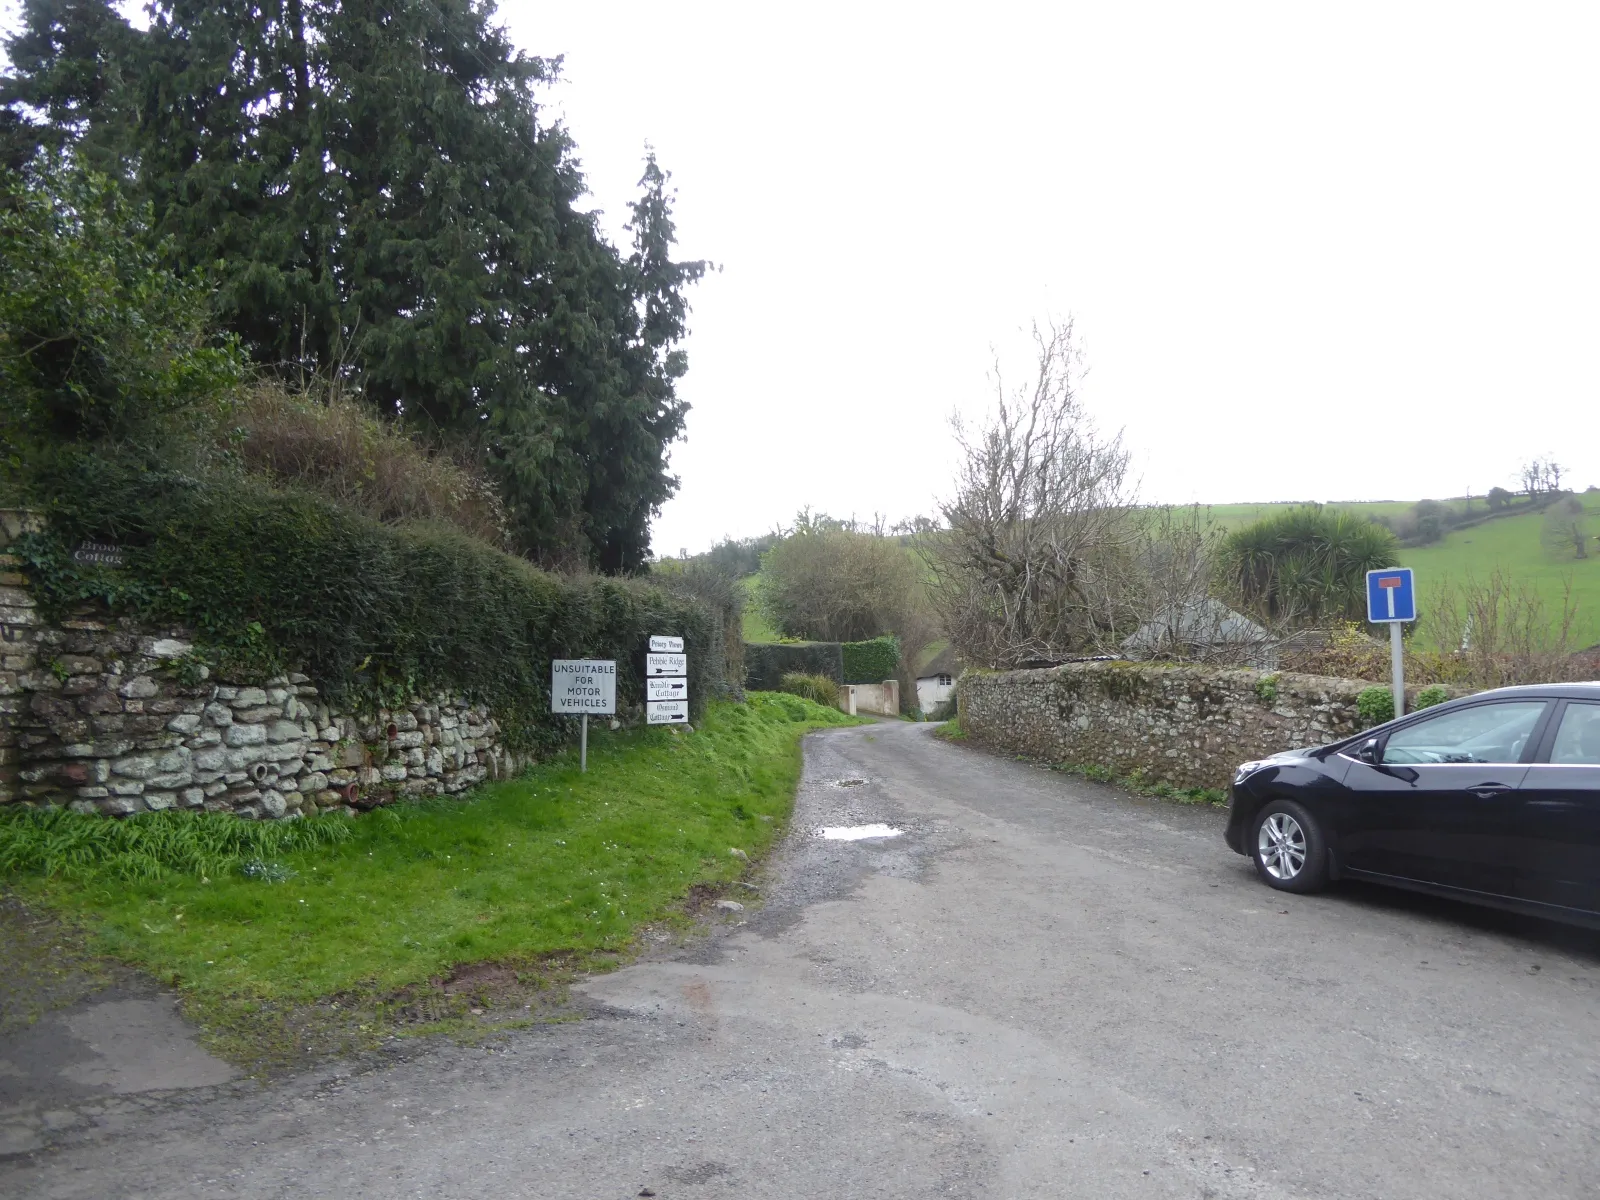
<point x="332" y="941"/>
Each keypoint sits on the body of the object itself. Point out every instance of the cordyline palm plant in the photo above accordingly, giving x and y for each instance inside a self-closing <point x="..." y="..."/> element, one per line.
<point x="1307" y="565"/>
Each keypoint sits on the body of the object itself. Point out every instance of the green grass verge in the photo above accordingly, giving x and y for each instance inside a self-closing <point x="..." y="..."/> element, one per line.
<point x="327" y="943"/>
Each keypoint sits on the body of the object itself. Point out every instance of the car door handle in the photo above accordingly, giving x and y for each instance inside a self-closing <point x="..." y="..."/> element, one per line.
<point x="1488" y="791"/>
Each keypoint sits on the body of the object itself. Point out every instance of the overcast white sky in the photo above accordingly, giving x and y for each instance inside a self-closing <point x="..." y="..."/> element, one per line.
<point x="1314" y="252"/>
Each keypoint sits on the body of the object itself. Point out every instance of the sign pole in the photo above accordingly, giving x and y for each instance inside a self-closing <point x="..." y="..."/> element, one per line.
<point x="1392" y="601"/>
<point x="583" y="741"/>
<point x="1397" y="665"/>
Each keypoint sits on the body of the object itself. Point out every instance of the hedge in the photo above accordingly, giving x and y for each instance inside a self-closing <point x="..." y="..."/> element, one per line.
<point x="766" y="663"/>
<point x="871" y="661"/>
<point x="273" y="580"/>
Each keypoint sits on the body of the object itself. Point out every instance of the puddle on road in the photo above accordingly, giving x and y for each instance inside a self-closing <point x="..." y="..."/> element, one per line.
<point x="857" y="833"/>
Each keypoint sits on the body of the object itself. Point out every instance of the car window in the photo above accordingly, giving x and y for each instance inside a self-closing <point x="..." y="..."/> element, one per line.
<point x="1484" y="733"/>
<point x="1578" y="739"/>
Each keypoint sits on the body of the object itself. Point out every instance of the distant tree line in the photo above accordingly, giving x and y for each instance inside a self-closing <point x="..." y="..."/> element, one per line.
<point x="1428" y="521"/>
<point x="378" y="203"/>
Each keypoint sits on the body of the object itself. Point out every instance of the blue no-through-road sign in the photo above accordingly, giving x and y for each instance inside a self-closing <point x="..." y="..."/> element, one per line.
<point x="1391" y="595"/>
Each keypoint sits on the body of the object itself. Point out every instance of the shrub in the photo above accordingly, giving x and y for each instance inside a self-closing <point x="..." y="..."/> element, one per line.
<point x="830" y="581"/>
<point x="1267" y="690"/>
<point x="1429" y="696"/>
<point x="1497" y="631"/>
<point x="1347" y="652"/>
<point x="270" y="580"/>
<point x="871" y="661"/>
<point x="1376" y="705"/>
<point x="98" y="341"/>
<point x="1307" y="564"/>
<point x="337" y="449"/>
<point x="817" y="688"/>
<point x="766" y="663"/>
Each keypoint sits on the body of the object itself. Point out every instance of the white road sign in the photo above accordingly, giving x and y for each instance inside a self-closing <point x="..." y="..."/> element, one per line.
<point x="660" y="643"/>
<point x="666" y="664"/>
<point x="583" y="685"/>
<point x="666" y="689"/>
<point x="666" y="712"/>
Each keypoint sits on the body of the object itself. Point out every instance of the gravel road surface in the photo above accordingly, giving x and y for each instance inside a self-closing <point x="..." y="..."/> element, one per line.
<point x="1041" y="988"/>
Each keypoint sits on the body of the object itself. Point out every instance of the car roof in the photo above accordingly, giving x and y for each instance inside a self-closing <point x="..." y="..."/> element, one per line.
<point x="1587" y="690"/>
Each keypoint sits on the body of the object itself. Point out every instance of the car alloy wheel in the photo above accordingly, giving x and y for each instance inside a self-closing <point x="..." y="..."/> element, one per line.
<point x="1282" y="846"/>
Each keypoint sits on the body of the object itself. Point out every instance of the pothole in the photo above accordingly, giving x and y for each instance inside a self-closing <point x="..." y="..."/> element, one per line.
<point x="857" y="833"/>
<point x="849" y="782"/>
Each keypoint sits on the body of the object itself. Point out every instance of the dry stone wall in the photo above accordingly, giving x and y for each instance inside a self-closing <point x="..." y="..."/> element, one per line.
<point x="104" y="717"/>
<point x="1187" y="726"/>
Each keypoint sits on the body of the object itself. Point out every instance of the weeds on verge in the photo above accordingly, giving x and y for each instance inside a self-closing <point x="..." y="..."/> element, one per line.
<point x="151" y="847"/>
<point x="1136" y="782"/>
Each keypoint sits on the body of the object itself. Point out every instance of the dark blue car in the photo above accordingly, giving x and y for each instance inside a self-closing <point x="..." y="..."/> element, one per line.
<point x="1493" y="798"/>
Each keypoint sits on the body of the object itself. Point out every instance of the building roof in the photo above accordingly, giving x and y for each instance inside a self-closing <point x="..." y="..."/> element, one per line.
<point x="944" y="662"/>
<point x="1205" y="622"/>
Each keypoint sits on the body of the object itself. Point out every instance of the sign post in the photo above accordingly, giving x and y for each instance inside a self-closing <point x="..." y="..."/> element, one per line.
<point x="583" y="686"/>
<point x="666" y="682"/>
<point x="1392" y="601"/>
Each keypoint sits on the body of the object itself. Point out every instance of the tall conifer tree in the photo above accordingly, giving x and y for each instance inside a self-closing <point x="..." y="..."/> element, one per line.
<point x="371" y="185"/>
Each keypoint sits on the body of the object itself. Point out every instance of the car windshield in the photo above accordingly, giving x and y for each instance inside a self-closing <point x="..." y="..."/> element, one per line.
<point x="1485" y="733"/>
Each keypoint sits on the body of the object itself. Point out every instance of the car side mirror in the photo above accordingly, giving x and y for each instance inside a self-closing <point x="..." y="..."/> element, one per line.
<point x="1368" y="751"/>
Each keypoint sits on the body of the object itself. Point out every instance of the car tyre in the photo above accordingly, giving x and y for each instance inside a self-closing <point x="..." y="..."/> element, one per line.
<point x="1288" y="848"/>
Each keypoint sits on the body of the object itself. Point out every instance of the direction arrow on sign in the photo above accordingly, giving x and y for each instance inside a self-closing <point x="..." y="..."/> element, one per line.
<point x="666" y="712"/>
<point x="666" y="664"/>
<point x="666" y="689"/>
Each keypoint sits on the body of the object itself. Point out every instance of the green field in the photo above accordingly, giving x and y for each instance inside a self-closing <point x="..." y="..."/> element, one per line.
<point x="1510" y="543"/>
<point x="1233" y="516"/>
<point x="756" y="628"/>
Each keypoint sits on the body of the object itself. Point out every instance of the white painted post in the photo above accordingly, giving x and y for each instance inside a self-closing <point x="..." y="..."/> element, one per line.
<point x="1397" y="662"/>
<point x="583" y="744"/>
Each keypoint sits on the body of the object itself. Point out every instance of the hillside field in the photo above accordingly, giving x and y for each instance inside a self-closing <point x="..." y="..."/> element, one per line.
<point x="756" y="627"/>
<point x="1510" y="542"/>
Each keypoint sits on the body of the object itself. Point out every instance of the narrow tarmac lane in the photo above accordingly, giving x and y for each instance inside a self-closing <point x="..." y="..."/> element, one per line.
<point x="1042" y="988"/>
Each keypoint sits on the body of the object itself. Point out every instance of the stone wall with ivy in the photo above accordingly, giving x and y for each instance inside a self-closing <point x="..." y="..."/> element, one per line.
<point x="102" y="716"/>
<point x="1182" y="725"/>
<point x="267" y="654"/>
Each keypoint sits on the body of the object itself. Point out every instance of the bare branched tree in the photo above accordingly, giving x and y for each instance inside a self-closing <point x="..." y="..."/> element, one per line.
<point x="1499" y="631"/>
<point x="1541" y="479"/>
<point x="1034" y="559"/>
<point x="1563" y="534"/>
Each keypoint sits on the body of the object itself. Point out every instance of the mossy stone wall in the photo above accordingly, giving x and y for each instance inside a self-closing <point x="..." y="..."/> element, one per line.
<point x="1183" y="725"/>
